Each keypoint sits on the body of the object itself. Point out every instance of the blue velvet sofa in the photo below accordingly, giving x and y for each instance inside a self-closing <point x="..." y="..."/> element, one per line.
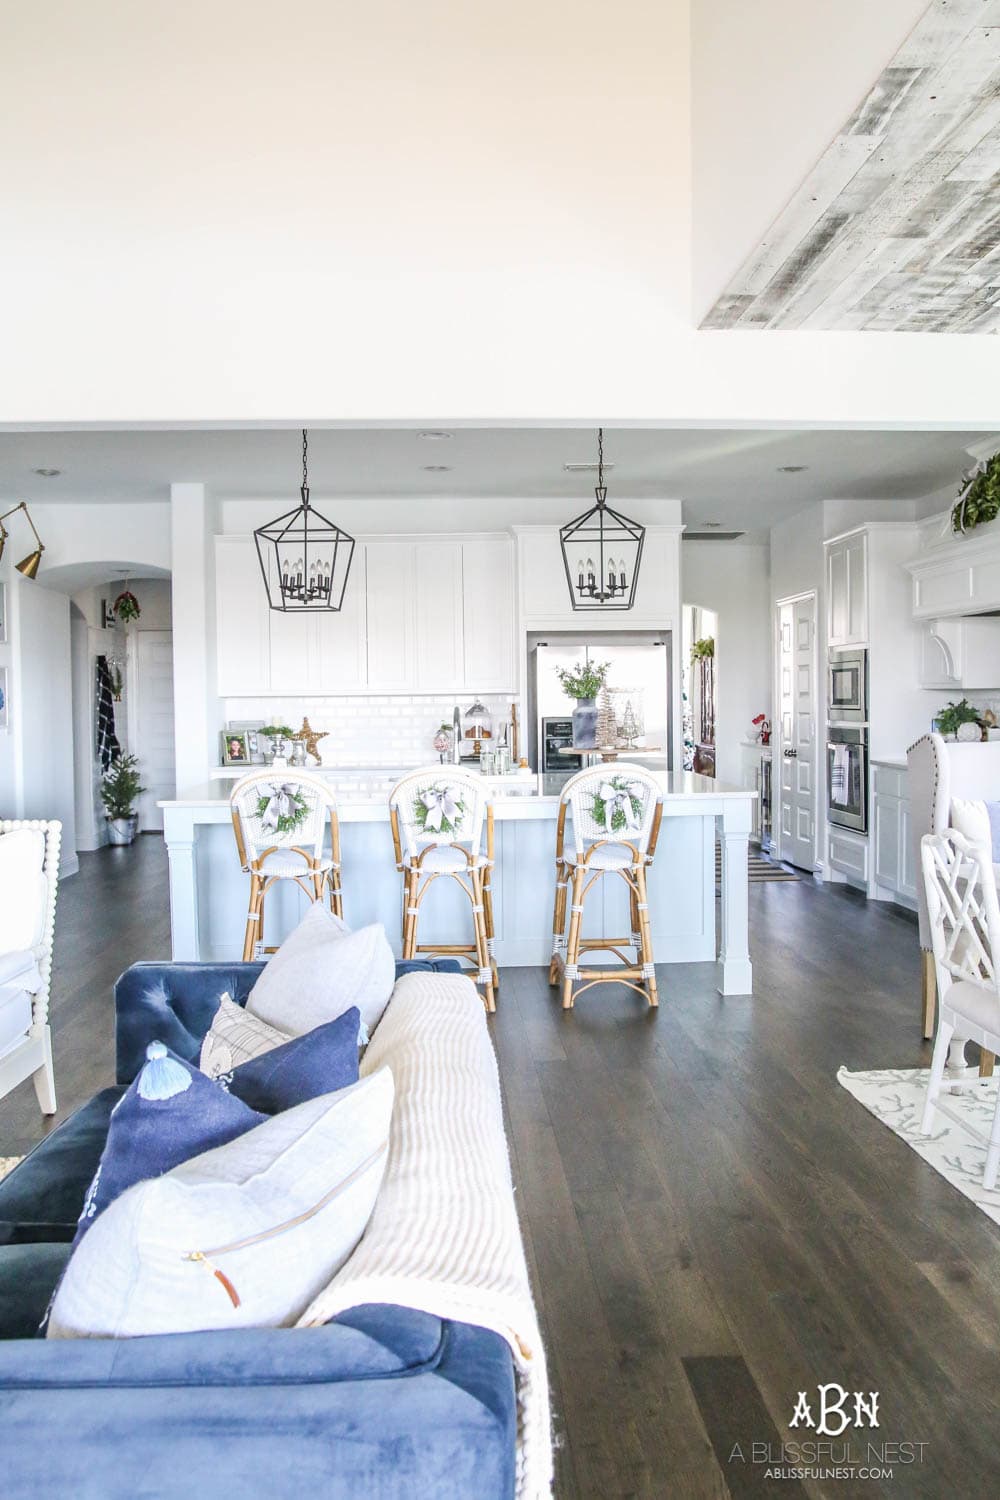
<point x="381" y="1402"/>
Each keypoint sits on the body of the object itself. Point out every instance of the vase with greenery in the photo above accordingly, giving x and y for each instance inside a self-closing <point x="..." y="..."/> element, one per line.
<point x="120" y="789"/>
<point x="279" y="735"/>
<point x="582" y="682"/>
<point x="949" y="720"/>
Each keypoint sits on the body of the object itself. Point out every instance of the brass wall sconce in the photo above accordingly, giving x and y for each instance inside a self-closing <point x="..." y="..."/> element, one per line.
<point x="28" y="565"/>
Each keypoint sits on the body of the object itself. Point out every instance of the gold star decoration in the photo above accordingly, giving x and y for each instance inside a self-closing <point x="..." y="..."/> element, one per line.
<point x="312" y="739"/>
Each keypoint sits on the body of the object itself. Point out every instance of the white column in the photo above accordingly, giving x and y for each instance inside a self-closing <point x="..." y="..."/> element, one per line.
<point x="179" y="833"/>
<point x="735" y="969"/>
<point x="193" y="610"/>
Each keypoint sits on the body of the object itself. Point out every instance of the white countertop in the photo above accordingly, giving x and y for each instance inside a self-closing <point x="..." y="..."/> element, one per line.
<point x="894" y="762"/>
<point x="522" y="800"/>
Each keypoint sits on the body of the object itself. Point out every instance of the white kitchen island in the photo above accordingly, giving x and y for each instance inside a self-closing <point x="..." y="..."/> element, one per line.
<point x="209" y="892"/>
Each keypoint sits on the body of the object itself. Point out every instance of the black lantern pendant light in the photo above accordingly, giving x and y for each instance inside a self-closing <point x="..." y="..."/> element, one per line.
<point x="601" y="551"/>
<point x="305" y="559"/>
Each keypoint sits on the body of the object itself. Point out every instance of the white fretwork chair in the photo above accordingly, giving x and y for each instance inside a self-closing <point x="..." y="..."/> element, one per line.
<point x="442" y="824"/>
<point x="964" y="920"/>
<point x="29" y="881"/>
<point x="616" y="812"/>
<point x="280" y="818"/>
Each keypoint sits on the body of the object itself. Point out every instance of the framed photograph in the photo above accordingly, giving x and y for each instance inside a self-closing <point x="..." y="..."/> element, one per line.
<point x="3" y="614"/>
<point x="4" y="713"/>
<point x="235" y="747"/>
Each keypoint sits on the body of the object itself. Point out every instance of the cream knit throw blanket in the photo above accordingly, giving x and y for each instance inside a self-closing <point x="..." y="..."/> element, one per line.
<point x="444" y="1236"/>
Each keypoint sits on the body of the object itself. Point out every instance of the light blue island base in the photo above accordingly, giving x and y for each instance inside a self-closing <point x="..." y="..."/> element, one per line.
<point x="209" y="892"/>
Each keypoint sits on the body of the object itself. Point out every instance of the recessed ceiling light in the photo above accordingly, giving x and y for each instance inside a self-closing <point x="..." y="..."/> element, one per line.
<point x="793" y="468"/>
<point x="47" y="473"/>
<point x="433" y="436"/>
<point x="437" y="468"/>
<point x="711" y="525"/>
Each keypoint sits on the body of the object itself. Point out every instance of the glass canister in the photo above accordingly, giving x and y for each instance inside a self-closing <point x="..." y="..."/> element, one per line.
<point x="477" y="725"/>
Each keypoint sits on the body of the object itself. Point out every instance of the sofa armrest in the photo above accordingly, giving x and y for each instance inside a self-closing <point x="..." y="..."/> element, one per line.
<point x="383" y="1401"/>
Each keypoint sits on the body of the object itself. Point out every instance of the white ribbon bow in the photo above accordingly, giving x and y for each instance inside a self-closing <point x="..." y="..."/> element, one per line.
<point x="281" y="804"/>
<point x="442" y="805"/>
<point x="616" y="800"/>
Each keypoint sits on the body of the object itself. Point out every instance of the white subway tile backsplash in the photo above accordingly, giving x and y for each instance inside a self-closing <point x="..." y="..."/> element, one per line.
<point x="377" y="731"/>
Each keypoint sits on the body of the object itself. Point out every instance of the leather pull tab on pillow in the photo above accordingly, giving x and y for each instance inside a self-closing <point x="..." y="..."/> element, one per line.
<point x="161" y="1077"/>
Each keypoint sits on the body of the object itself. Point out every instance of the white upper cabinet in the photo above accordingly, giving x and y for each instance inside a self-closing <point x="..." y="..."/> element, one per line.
<point x="437" y="584"/>
<point x="242" y="624"/>
<point x="341" y="660"/>
<point x="391" y="615"/>
<point x="847" y="590"/>
<point x="488" y="615"/>
<point x="420" y="615"/>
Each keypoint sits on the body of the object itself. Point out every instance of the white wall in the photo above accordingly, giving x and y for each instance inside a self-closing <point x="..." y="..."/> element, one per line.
<point x="772" y="83"/>
<point x="42" y="724"/>
<point x="413" y="211"/>
<point x="732" y="578"/>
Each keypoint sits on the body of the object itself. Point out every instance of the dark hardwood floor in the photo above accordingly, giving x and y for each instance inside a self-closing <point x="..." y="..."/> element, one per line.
<point x="713" y="1224"/>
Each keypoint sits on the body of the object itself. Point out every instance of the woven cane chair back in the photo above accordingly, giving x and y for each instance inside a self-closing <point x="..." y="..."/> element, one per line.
<point x="440" y="805"/>
<point x="615" y="802"/>
<point x="280" y="809"/>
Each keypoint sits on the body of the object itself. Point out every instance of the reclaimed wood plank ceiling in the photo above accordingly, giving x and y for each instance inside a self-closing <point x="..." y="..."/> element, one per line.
<point x="897" y="227"/>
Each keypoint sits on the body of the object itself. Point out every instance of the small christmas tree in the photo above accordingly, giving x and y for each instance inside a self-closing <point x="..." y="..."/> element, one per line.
<point x="630" y="725"/>
<point x="606" y="733"/>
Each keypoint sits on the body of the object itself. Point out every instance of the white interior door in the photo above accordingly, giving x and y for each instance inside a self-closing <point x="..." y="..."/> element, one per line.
<point x="797" y="810"/>
<point x="153" y="721"/>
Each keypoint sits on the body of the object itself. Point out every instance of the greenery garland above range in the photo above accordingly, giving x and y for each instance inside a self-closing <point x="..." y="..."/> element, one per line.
<point x="979" y="498"/>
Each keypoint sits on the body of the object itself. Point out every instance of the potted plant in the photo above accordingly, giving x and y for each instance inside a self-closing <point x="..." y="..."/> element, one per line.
<point x="583" y="681"/>
<point x="120" y="786"/>
<point x="951" y="719"/>
<point x="126" y="607"/>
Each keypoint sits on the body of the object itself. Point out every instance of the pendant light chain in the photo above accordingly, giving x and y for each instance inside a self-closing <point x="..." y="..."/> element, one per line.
<point x="305" y="463"/>
<point x="600" y="464"/>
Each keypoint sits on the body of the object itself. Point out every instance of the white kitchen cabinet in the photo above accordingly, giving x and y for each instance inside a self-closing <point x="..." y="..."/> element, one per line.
<point x="488" y="615"/>
<point x="848" y="853"/>
<point x="242" y="618"/>
<point x="341" y="660"/>
<point x="894" y="874"/>
<point x="847" y="590"/>
<point x="960" y="653"/>
<point x="437" y="588"/>
<point x="391" y="616"/>
<point x="291" y="651"/>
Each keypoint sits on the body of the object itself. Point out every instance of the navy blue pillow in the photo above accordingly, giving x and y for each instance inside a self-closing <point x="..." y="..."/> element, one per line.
<point x="170" y="1113"/>
<point x="318" y="1062"/>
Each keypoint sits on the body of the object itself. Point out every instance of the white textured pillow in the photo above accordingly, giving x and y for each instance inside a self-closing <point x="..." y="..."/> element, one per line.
<point x="972" y="821"/>
<point x="321" y="970"/>
<point x="23" y="888"/>
<point x="234" y="1038"/>
<point x="241" y="1237"/>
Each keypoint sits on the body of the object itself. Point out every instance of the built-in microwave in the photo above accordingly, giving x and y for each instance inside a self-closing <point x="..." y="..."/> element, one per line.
<point x="847" y="686"/>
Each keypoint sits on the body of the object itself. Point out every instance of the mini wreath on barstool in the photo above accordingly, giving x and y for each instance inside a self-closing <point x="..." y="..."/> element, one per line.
<point x="617" y="806"/>
<point x="439" y="809"/>
<point x="282" y="809"/>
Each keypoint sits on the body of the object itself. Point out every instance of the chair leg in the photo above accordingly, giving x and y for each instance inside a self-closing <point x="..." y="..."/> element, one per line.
<point x="336" y="895"/>
<point x="485" y="976"/>
<point x="573" y="942"/>
<point x="928" y="979"/>
<point x="253" y="920"/>
<point x="646" y="935"/>
<point x="44" y="1079"/>
<point x="945" y="1030"/>
<point x="410" y="917"/>
<point x="986" y="1061"/>
<point x="558" y="922"/>
<point x="490" y="929"/>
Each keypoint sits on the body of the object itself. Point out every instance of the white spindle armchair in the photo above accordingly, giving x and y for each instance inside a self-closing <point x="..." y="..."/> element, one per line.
<point x="29" y="881"/>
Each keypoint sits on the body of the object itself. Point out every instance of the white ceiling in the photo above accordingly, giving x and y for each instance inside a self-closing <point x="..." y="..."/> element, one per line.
<point x="729" y="476"/>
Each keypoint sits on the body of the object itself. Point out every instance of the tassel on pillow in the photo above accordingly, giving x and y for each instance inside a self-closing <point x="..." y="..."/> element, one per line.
<point x="161" y="1076"/>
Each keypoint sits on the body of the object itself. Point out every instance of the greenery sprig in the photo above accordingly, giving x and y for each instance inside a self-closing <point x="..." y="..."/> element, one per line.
<point x="619" y="821"/>
<point x="979" y="498"/>
<point x="287" y="822"/>
<point x="584" y="679"/>
<point x="949" y="719"/>
<point x="701" y="650"/>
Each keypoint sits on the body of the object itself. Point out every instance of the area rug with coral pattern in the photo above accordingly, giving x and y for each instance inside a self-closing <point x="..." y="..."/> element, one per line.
<point x="896" y="1097"/>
